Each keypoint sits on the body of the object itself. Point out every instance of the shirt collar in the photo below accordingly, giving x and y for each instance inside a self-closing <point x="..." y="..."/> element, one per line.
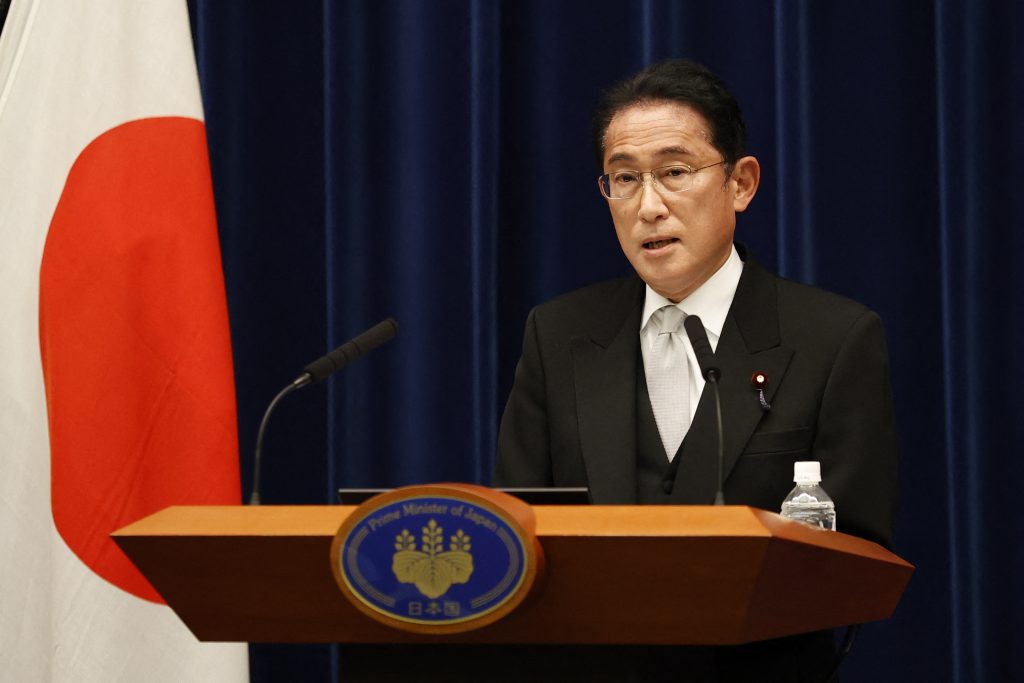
<point x="711" y="301"/>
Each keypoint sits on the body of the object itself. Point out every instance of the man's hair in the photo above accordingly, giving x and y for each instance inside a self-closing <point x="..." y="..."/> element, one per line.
<point x="684" y="82"/>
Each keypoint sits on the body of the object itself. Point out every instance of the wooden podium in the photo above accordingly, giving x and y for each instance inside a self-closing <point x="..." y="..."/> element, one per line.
<point x="614" y="575"/>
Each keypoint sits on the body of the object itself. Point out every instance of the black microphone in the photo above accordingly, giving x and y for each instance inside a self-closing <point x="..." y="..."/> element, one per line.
<point x="317" y="371"/>
<point x="702" y="348"/>
<point x="322" y="368"/>
<point x="712" y="373"/>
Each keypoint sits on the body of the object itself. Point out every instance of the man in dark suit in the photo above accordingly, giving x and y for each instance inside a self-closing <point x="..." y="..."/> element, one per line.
<point x="804" y="372"/>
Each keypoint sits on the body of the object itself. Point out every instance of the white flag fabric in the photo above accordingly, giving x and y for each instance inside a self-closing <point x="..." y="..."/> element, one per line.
<point x="116" y="382"/>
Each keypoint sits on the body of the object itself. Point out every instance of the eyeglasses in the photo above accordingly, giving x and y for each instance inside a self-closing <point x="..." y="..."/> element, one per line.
<point x="625" y="184"/>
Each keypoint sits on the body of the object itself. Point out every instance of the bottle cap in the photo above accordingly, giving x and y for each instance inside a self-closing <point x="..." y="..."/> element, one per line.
<point x="807" y="472"/>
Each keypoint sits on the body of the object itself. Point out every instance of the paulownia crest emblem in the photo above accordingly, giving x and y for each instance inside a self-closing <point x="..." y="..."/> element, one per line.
<point x="432" y="569"/>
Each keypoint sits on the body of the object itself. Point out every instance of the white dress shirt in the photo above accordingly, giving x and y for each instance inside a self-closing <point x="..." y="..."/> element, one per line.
<point x="710" y="301"/>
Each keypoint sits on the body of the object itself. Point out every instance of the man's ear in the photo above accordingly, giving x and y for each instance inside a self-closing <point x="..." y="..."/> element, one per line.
<point x="746" y="176"/>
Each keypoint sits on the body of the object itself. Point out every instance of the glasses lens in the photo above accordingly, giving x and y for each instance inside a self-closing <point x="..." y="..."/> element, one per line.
<point x="674" y="178"/>
<point x="623" y="184"/>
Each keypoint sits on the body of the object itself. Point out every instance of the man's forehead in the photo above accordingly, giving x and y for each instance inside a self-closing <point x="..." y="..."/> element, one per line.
<point x="656" y="129"/>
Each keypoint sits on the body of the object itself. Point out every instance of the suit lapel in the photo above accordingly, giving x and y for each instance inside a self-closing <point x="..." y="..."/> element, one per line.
<point x="749" y="343"/>
<point x="604" y="372"/>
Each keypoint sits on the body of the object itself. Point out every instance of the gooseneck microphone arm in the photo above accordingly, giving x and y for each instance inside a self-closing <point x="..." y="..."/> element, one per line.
<point x="254" y="497"/>
<point x="317" y="371"/>
<point x="711" y="373"/>
<point x="719" y="495"/>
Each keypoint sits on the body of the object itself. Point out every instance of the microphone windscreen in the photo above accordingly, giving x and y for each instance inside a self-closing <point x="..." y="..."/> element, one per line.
<point x="323" y="368"/>
<point x="701" y="346"/>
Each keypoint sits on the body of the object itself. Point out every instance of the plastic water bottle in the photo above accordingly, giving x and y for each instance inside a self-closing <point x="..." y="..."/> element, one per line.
<point x="808" y="502"/>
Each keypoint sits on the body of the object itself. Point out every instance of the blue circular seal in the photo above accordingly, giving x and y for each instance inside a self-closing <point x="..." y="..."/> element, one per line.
<point x="431" y="559"/>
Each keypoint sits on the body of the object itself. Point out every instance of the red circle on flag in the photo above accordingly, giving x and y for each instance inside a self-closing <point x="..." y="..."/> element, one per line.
<point x="135" y="344"/>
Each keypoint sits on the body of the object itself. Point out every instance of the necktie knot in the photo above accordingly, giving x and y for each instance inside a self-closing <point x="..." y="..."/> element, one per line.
<point x="670" y="320"/>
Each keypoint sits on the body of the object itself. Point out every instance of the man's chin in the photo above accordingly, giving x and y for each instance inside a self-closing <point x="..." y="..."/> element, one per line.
<point x="672" y="289"/>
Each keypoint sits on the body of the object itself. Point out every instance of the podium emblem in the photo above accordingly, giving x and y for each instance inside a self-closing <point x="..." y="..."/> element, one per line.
<point x="438" y="559"/>
<point x="432" y="569"/>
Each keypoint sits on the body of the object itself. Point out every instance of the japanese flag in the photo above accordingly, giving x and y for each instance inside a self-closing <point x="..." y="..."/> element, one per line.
<point x="116" y="386"/>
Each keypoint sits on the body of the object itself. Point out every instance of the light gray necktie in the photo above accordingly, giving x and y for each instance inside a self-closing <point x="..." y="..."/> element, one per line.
<point x="668" y="378"/>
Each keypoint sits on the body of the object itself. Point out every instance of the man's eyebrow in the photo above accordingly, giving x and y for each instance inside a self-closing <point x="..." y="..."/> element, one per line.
<point x="672" y="150"/>
<point x="620" y="156"/>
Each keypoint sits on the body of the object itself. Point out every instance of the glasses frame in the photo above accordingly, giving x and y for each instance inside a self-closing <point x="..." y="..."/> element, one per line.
<point x="604" y="177"/>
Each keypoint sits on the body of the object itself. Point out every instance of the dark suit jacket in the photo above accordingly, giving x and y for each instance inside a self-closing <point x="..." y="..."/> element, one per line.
<point x="571" y="416"/>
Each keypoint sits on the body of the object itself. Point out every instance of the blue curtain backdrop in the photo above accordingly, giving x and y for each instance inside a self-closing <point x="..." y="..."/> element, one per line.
<point x="431" y="160"/>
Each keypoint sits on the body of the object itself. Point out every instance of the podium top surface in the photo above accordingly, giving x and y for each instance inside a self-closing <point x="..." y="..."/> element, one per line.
<point x="614" y="574"/>
<point x="640" y="521"/>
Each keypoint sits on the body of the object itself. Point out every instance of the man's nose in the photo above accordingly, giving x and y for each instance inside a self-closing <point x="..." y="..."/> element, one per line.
<point x="652" y="205"/>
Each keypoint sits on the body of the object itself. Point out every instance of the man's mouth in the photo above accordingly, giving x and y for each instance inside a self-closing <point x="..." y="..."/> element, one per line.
<point x="658" y="244"/>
